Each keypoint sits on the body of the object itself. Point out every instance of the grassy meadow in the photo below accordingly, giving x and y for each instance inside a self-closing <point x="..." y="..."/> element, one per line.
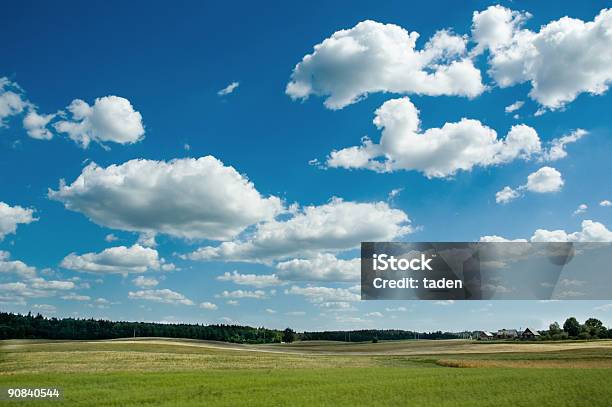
<point x="153" y="372"/>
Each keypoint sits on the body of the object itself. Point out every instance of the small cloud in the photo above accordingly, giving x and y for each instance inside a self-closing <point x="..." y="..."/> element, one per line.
<point x="572" y="283"/>
<point x="228" y="89"/>
<point x="394" y="193"/>
<point x="110" y="237"/>
<point x="46" y="308"/>
<point x="398" y="309"/>
<point x="208" y="305"/>
<point x="145" y="282"/>
<point x="582" y="208"/>
<point x="514" y="106"/>
<point x="545" y="180"/>
<point x="605" y="203"/>
<point x="506" y="195"/>
<point x="270" y="311"/>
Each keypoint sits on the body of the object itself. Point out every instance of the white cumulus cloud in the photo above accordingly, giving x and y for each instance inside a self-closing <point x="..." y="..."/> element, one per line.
<point x="120" y="259"/>
<point x="565" y="58"/>
<point x="188" y="198"/>
<point x="145" y="282"/>
<point x="544" y="180"/>
<point x="208" y="305"/>
<point x="36" y="125"/>
<point x="375" y="57"/>
<point x="591" y="231"/>
<point x="335" y="226"/>
<point x="556" y="149"/>
<point x="321" y="267"/>
<point x="12" y="216"/>
<point x="165" y="296"/>
<point x="12" y="102"/>
<point x="322" y="295"/>
<point x="110" y="119"/>
<point x="436" y="152"/>
<point x="237" y="294"/>
<point x="582" y="208"/>
<point x="254" y="280"/>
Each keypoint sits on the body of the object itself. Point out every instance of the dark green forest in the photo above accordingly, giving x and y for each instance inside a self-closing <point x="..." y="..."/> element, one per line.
<point x="374" y="335"/>
<point x="17" y="326"/>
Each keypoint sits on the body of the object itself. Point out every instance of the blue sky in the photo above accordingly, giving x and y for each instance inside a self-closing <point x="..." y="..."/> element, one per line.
<point x="169" y="64"/>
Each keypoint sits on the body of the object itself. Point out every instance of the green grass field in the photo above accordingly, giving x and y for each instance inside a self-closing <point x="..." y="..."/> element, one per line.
<point x="195" y="373"/>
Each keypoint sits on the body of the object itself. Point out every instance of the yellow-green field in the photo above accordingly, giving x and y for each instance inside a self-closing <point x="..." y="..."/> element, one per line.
<point x="193" y="373"/>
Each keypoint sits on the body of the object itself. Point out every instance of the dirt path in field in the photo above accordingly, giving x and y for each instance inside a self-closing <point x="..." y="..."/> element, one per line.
<point x="403" y="348"/>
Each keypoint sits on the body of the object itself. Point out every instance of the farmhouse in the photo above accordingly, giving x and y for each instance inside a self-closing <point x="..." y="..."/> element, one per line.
<point x="484" y="336"/>
<point x="529" y="333"/>
<point x="507" y="334"/>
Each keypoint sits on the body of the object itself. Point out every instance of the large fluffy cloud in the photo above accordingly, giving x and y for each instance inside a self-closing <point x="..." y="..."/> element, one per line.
<point x="335" y="226"/>
<point x="545" y="180"/>
<point x="110" y="119"/>
<point x="188" y="198"/>
<point x="564" y="58"/>
<point x="437" y="152"/>
<point x="120" y="259"/>
<point x="375" y="57"/>
<point x="11" y="216"/>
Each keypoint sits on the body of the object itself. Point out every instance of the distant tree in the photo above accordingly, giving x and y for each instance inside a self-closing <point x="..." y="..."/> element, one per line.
<point x="554" y="328"/>
<point x="288" y="335"/>
<point x="375" y="340"/>
<point x="572" y="326"/>
<point x="595" y="328"/>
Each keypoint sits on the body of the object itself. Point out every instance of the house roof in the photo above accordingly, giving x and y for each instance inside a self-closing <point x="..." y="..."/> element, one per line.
<point x="507" y="332"/>
<point x="533" y="331"/>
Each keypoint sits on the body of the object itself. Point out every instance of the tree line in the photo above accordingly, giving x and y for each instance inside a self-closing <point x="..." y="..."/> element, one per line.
<point x="17" y="326"/>
<point x="30" y="326"/>
<point x="592" y="328"/>
<point x="374" y="335"/>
